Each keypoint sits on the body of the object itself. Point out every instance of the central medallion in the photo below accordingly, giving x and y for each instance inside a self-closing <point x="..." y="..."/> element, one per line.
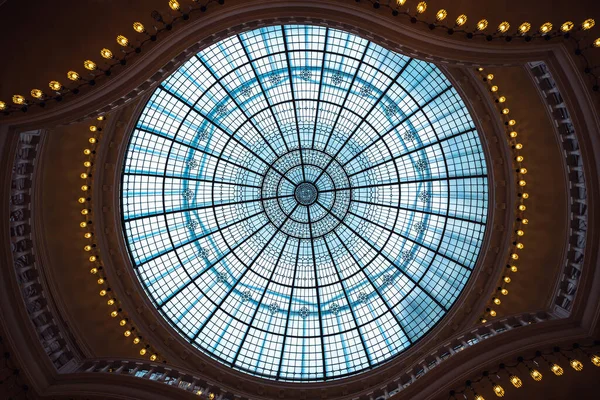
<point x="306" y="193"/>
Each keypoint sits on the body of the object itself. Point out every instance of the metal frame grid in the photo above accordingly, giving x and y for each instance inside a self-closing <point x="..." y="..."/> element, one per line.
<point x="302" y="204"/>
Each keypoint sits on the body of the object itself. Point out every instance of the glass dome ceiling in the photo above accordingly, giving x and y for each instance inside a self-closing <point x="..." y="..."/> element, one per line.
<point x="302" y="204"/>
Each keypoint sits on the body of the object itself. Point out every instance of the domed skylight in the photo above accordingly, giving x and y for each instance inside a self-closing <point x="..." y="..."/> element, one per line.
<point x="302" y="204"/>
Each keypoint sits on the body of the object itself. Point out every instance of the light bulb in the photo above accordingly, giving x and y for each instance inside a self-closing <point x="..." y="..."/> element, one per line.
<point x="514" y="256"/>
<point x="525" y="195"/>
<point x="490" y="77"/>
<point x="461" y="20"/>
<point x="87" y="247"/>
<point x="503" y="27"/>
<point x="507" y="279"/>
<point x="421" y="7"/>
<point x="110" y="302"/>
<point x="113" y="314"/>
<point x="92" y="140"/>
<point x="93" y="128"/>
<point x="520" y="232"/>
<point x="93" y="258"/>
<point x="524" y="27"/>
<point x="505" y="111"/>
<point x="18" y="99"/>
<point x="142" y="352"/>
<point x="567" y="26"/>
<point x="139" y="27"/>
<point x="516" y="381"/>
<point x="441" y="15"/>
<point x="400" y="2"/>
<point x="535" y="374"/>
<point x="101" y="118"/>
<point x="494" y="88"/>
<point x="94" y="271"/>
<point x="576" y="365"/>
<point x="127" y="333"/>
<point x="2" y="106"/>
<point x="89" y="65"/>
<point x="87" y="164"/>
<point x="501" y="99"/>
<point x="519" y="158"/>
<point x="545" y="28"/>
<point x="85" y="188"/>
<point x="123" y="322"/>
<point x="83" y="224"/>
<point x="87" y="152"/>
<point x="512" y="122"/>
<point x="106" y="53"/>
<point x="37" y="93"/>
<point x="481" y="25"/>
<point x="497" y="301"/>
<point x="100" y="281"/>
<point x="514" y="268"/>
<point x="522" y="207"/>
<point x="153" y="357"/>
<point x="85" y="211"/>
<point x="72" y="75"/>
<point x="88" y="235"/>
<point x="493" y="313"/>
<point x="81" y="200"/>
<point x="524" y="221"/>
<point x="520" y="246"/>
<point x="83" y="175"/>
<point x="174" y="4"/>
<point x="513" y="134"/>
<point x="588" y="24"/>
<point x="597" y="42"/>
<point x="55" y="85"/>
<point x="478" y="397"/>
<point x="479" y="69"/>
<point x="504" y="291"/>
<point x="482" y="320"/>
<point x="557" y="369"/>
<point x="103" y="292"/>
<point x="498" y="390"/>
<point x="122" y="40"/>
<point x="522" y="183"/>
<point x="136" y="340"/>
<point x="523" y="171"/>
<point x="595" y="360"/>
<point x="211" y="396"/>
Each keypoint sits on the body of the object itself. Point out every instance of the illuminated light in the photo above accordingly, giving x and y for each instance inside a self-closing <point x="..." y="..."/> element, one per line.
<point x="525" y="195"/>
<point x="490" y="77"/>
<point x="518" y="146"/>
<point x="501" y="99"/>
<point x="588" y="24"/>
<point x="113" y="314"/>
<point x="87" y="248"/>
<point x="400" y="2"/>
<point x="519" y="158"/>
<point x="85" y="211"/>
<point x="81" y="200"/>
<point x="478" y="397"/>
<point x="494" y="88"/>
<point x="514" y="256"/>
<point x="123" y="322"/>
<point x="523" y="171"/>
<point x="522" y="183"/>
<point x="520" y="233"/>
<point x="535" y="374"/>
<point x="512" y="122"/>
<point x="2" y="106"/>
<point x="153" y="357"/>
<point x="83" y="224"/>
<point x="54" y="85"/>
<point x="93" y="258"/>
<point x="72" y="75"/>
<point x="567" y="26"/>
<point x="89" y="65"/>
<point x="481" y="25"/>
<point x="136" y="340"/>
<point x="93" y="128"/>
<point x="87" y="152"/>
<point x="421" y="7"/>
<point x="505" y="111"/>
<point x="545" y="28"/>
<point x="513" y="268"/>
<point x="106" y="53"/>
<point x="461" y="20"/>
<point x="139" y="27"/>
<point x="199" y="392"/>
<point x="94" y="271"/>
<point x="110" y="302"/>
<point x="83" y="175"/>
<point x="127" y="333"/>
<point x="504" y="291"/>
<point x="37" y="93"/>
<point x="513" y="134"/>
<point x="174" y="4"/>
<point x="18" y="99"/>
<point x="122" y="40"/>
<point x="497" y="301"/>
<point x="211" y="396"/>
<point x="503" y="27"/>
<point x="525" y="221"/>
<point x="522" y="207"/>
<point x="101" y="118"/>
<point x="482" y="320"/>
<point x="479" y="69"/>
<point x="493" y="313"/>
<point x="100" y="281"/>
<point x="142" y="352"/>
<point x="87" y="164"/>
<point x="88" y="235"/>
<point x="595" y="360"/>
<point x="498" y="390"/>
<point x="576" y="365"/>
<point x="516" y="381"/>
<point x="85" y="188"/>
<point x="92" y="140"/>
<point x="520" y="246"/>
<point x="441" y="15"/>
<point x="103" y="292"/>
<point x="596" y="43"/>
<point x="557" y="369"/>
<point x="507" y="279"/>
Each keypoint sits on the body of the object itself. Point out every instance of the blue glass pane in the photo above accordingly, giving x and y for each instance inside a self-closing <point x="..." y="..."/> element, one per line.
<point x="302" y="204"/>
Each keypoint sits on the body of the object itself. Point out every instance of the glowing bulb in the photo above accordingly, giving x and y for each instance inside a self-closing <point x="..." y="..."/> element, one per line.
<point x="122" y="40"/>
<point x="503" y="27"/>
<point x="507" y="279"/>
<point x="139" y="27"/>
<point x="136" y="340"/>
<point x="535" y="374"/>
<point x="513" y="134"/>
<point x="72" y="75"/>
<point x="123" y="322"/>
<point x="501" y="99"/>
<point x="83" y="224"/>
<point x="211" y="396"/>
<point x="512" y="122"/>
<point x="92" y="140"/>
<point x="513" y="268"/>
<point x="478" y="397"/>
<point x="576" y="365"/>
<point x="497" y="301"/>
<point x="37" y="93"/>
<point x="93" y="258"/>
<point x="142" y="352"/>
<point x="55" y="85"/>
<point x="441" y="15"/>
<point x="505" y="111"/>
<point x="567" y="26"/>
<point x="519" y="158"/>
<point x="400" y="2"/>
<point x="595" y="360"/>
<point x="483" y="320"/>
<point x="174" y="4"/>
<point x="421" y="7"/>
<point x="85" y="188"/>
<point x="110" y="302"/>
<point x="516" y="381"/>
<point x="103" y="292"/>
<point x="524" y="27"/>
<point x="87" y="164"/>
<point x="83" y="175"/>
<point x="153" y="357"/>
<point x="127" y="333"/>
<point x="514" y="256"/>
<point x="100" y="281"/>
<point x="525" y="195"/>
<point x="87" y="248"/>
<point x="461" y="20"/>
<point x="557" y="369"/>
<point x="597" y="42"/>
<point x="479" y="69"/>
<point x="525" y="221"/>
<point x="520" y="246"/>
<point x="522" y="207"/>
<point x="498" y="390"/>
<point x="114" y="313"/>
<point x="93" y="128"/>
<point x="81" y="200"/>
<point x="87" y="152"/>
<point x="588" y="24"/>
<point x="2" y="105"/>
<point x="481" y="25"/>
<point x="89" y="65"/>
<point x="504" y="291"/>
<point x="545" y="28"/>
<point x="490" y="77"/>
<point x="85" y="211"/>
<point x="520" y="232"/>
<point x="101" y="118"/>
<point x="518" y="146"/>
<point x="523" y="171"/>
<point x="94" y="271"/>
<point x="494" y="88"/>
<point x="493" y="313"/>
<point x="522" y="183"/>
<point x="88" y="235"/>
<point x="106" y="53"/>
<point x="18" y="99"/>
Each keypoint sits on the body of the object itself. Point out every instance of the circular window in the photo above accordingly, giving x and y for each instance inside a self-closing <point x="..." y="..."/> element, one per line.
<point x="302" y="204"/>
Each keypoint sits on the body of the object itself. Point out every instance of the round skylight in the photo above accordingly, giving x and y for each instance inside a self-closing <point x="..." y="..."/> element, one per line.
<point x="302" y="204"/>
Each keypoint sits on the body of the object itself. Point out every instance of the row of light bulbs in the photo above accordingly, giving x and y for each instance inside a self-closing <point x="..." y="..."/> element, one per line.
<point x="521" y="171"/>
<point x="138" y="27"/>
<point x="89" y="248"/>
<point x="533" y="371"/>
